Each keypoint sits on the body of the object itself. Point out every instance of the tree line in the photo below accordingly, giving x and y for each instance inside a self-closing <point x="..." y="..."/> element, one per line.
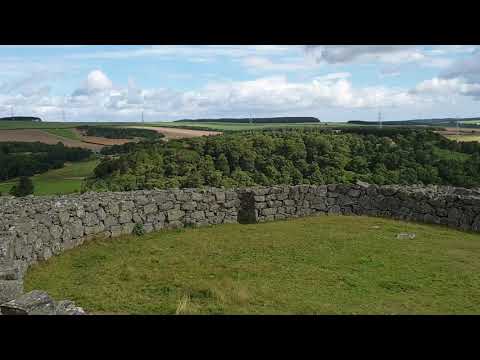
<point x="291" y="156"/>
<point x="21" y="118"/>
<point x="29" y="158"/>
<point x="111" y="132"/>
<point x="270" y="120"/>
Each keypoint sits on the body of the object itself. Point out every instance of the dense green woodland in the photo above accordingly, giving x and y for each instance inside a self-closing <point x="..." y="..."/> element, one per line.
<point x="120" y="133"/>
<point x="21" y="118"/>
<point x="293" y="156"/>
<point x="27" y="159"/>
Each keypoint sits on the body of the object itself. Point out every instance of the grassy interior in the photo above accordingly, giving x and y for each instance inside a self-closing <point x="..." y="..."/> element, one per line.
<point x="316" y="265"/>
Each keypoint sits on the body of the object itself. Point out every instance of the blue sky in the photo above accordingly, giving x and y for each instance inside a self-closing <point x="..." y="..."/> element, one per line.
<point x="333" y="83"/>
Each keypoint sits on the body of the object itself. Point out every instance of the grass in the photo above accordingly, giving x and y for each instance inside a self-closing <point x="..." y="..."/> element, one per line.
<point x="451" y="155"/>
<point x="59" y="181"/>
<point x="464" y="137"/>
<point x="316" y="265"/>
<point x="64" y="133"/>
<point x="474" y="121"/>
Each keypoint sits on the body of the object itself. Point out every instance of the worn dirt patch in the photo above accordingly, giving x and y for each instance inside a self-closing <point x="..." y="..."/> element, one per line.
<point x="32" y="135"/>
<point x="175" y="133"/>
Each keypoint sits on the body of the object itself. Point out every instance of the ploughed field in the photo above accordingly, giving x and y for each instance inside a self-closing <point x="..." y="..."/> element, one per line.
<point x="174" y="133"/>
<point x="463" y="134"/>
<point x="46" y="137"/>
<point x="315" y="265"/>
<point x="52" y="133"/>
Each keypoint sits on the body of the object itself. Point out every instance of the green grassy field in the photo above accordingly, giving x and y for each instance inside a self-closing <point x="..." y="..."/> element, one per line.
<point x="451" y="155"/>
<point x="474" y="121"/>
<point x="463" y="137"/>
<point x="59" y="181"/>
<point x="64" y="133"/>
<point x="316" y="265"/>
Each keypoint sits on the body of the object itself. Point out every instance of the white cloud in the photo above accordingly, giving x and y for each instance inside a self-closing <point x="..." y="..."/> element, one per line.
<point x="266" y="95"/>
<point x="277" y="94"/>
<point x="446" y="87"/>
<point x="394" y="54"/>
<point x="31" y="83"/>
<point x="98" y="81"/>
<point x="258" y="63"/>
<point x="333" y="54"/>
<point x="99" y="99"/>
<point x="202" y="53"/>
<point x="468" y="69"/>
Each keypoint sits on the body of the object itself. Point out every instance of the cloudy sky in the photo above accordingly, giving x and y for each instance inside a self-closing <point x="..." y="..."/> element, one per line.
<point x="333" y="83"/>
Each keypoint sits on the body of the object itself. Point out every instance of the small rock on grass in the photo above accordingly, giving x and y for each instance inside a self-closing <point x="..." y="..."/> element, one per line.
<point x="406" y="236"/>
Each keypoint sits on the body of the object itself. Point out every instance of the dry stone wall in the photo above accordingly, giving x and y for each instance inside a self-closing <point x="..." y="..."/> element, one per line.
<point x="455" y="207"/>
<point x="35" y="228"/>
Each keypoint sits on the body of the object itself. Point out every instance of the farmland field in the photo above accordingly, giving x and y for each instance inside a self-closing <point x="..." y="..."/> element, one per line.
<point x="174" y="133"/>
<point x="67" y="133"/>
<point x="233" y="126"/>
<point x="316" y="265"/>
<point x="100" y="140"/>
<point x="59" y="181"/>
<point x="464" y="137"/>
<point x="33" y="135"/>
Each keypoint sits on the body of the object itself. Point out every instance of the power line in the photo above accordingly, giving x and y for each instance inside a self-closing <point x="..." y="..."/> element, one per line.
<point x="63" y="109"/>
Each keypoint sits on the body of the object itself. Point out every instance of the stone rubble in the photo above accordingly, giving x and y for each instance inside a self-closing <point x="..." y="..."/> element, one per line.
<point x="38" y="302"/>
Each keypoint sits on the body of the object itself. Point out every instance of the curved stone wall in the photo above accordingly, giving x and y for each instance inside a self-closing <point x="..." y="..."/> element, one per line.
<point x="35" y="228"/>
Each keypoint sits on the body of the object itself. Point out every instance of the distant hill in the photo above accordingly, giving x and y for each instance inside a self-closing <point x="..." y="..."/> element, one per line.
<point x="275" y="120"/>
<point x="21" y="118"/>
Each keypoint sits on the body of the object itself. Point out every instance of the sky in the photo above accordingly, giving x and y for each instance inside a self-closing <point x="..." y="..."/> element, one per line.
<point x="167" y="82"/>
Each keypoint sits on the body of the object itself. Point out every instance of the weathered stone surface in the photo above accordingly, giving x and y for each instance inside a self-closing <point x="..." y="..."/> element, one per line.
<point x="125" y="217"/>
<point x="10" y="289"/>
<point x="33" y="303"/>
<point x="63" y="216"/>
<point x="149" y="209"/>
<point x="126" y="205"/>
<point x="76" y="228"/>
<point x="101" y="214"/>
<point x="190" y="205"/>
<point x="90" y="219"/>
<point x="173" y="215"/>
<point x="127" y="228"/>
<point x="67" y="307"/>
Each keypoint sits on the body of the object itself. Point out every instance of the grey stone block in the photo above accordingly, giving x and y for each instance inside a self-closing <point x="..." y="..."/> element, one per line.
<point x="10" y="289"/>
